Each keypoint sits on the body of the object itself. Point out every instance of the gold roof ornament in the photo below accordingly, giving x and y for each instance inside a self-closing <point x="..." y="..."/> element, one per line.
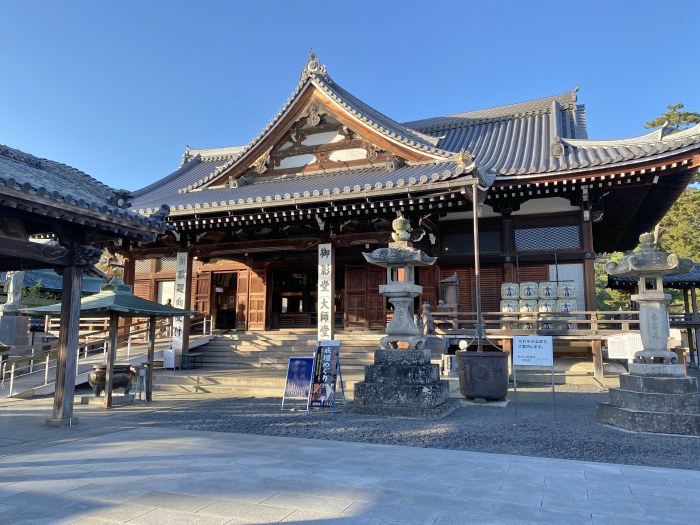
<point x="463" y="158"/>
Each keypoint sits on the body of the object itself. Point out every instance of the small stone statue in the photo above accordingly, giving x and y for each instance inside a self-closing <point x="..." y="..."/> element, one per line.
<point x="13" y="289"/>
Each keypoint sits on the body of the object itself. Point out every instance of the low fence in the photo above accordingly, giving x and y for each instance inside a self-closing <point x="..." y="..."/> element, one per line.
<point x="584" y="323"/>
<point x="38" y="359"/>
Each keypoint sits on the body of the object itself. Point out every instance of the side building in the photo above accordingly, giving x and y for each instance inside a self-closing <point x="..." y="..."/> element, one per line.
<point x="331" y="169"/>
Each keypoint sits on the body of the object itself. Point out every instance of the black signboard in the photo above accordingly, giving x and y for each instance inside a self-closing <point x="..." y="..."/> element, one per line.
<point x="325" y="373"/>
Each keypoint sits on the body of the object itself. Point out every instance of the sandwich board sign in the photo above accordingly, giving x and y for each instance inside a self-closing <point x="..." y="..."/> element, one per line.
<point x="297" y="387"/>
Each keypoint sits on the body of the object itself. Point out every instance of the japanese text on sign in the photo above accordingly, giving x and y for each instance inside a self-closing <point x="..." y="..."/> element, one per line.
<point x="325" y="291"/>
<point x="533" y="351"/>
<point x="325" y="373"/>
<point x="179" y="298"/>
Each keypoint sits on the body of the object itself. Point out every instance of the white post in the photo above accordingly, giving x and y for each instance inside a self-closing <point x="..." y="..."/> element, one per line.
<point x="46" y="369"/>
<point x="326" y="292"/>
<point x="31" y="362"/>
<point x="12" y="378"/>
<point x="180" y="333"/>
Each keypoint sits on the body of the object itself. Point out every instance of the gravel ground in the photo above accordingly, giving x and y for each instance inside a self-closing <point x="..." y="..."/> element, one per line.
<point x="534" y="426"/>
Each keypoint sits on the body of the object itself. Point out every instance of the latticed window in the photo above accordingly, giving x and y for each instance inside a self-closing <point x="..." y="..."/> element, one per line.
<point x="166" y="263"/>
<point x="143" y="265"/>
<point x="548" y="238"/>
<point x="462" y="243"/>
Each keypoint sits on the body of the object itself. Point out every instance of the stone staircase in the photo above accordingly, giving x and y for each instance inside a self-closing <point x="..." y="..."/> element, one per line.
<point x="654" y="398"/>
<point x="251" y="364"/>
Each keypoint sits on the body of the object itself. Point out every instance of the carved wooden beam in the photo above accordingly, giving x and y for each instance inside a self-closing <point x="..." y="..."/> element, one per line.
<point x="40" y="255"/>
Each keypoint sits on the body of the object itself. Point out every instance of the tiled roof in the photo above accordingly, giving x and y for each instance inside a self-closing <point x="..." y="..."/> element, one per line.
<point x="315" y="74"/>
<point x="50" y="280"/>
<point x="340" y="184"/>
<point x="566" y="101"/>
<point x="591" y="153"/>
<point x="116" y="298"/>
<point x="527" y="140"/>
<point x="212" y="154"/>
<point x="681" y="280"/>
<point x="64" y="186"/>
<point x="542" y="137"/>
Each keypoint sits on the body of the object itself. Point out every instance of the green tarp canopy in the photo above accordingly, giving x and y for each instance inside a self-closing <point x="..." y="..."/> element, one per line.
<point x="115" y="298"/>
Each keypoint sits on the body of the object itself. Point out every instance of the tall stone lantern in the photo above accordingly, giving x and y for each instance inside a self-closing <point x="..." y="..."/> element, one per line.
<point x="402" y="381"/>
<point x="656" y="395"/>
<point x="400" y="260"/>
<point x="648" y="266"/>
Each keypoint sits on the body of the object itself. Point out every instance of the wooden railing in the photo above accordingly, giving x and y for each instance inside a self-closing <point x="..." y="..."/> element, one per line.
<point x="582" y="324"/>
<point x="684" y="320"/>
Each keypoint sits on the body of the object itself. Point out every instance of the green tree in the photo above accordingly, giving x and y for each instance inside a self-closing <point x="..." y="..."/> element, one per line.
<point x="677" y="119"/>
<point x="680" y="227"/>
<point x="607" y="299"/>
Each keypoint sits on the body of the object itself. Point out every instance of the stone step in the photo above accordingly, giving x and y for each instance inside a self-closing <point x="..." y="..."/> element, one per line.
<point x="426" y="395"/>
<point x="416" y="374"/>
<point x="254" y="377"/>
<point x="657" y="422"/>
<point x="259" y="385"/>
<point x="655" y="401"/>
<point x="667" y="385"/>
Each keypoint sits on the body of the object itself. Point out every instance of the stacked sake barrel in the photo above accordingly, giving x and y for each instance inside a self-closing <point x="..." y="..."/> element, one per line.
<point x="532" y="297"/>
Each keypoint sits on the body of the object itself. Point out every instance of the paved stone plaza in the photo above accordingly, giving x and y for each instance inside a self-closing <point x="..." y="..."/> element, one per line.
<point x="118" y="467"/>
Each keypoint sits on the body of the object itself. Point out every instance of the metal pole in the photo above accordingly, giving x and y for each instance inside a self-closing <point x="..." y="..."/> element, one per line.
<point x="477" y="274"/>
<point x="151" y="351"/>
<point x="12" y="378"/>
<point x="109" y="375"/>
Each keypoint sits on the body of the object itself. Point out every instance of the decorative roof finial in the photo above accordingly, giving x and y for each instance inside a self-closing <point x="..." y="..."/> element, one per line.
<point x="463" y="158"/>
<point x="313" y="67"/>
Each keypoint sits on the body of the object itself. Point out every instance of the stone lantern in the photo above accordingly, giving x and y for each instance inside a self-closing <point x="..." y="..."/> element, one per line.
<point x="648" y="266"/>
<point x="402" y="381"/>
<point x="400" y="260"/>
<point x="656" y="395"/>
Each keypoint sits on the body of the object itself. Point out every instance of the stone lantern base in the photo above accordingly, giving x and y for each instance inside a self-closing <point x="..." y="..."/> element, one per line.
<point x="657" y="398"/>
<point x="403" y="383"/>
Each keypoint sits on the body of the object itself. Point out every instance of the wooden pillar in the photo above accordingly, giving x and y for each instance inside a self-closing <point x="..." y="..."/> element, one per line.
<point x="689" y="331"/>
<point x="508" y="246"/>
<point x="111" y="356"/>
<point x="696" y="320"/>
<point x="67" y="357"/>
<point x="151" y="352"/>
<point x="130" y="279"/>
<point x="588" y="266"/>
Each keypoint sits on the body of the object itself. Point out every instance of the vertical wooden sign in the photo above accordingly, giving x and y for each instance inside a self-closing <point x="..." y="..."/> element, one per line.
<point x="180" y="297"/>
<point x="326" y="291"/>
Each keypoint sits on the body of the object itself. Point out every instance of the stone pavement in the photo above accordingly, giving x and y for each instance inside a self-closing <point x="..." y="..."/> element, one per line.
<point x="105" y="471"/>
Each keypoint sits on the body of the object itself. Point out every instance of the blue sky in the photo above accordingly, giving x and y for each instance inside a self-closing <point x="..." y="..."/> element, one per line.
<point x="118" y="88"/>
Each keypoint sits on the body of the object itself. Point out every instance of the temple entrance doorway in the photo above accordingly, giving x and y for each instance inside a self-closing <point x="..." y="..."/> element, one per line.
<point x="294" y="297"/>
<point x="225" y="300"/>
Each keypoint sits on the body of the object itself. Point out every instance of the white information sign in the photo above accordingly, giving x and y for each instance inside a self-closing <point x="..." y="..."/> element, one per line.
<point x="624" y="346"/>
<point x="179" y="298"/>
<point x="533" y="350"/>
<point x="326" y="291"/>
